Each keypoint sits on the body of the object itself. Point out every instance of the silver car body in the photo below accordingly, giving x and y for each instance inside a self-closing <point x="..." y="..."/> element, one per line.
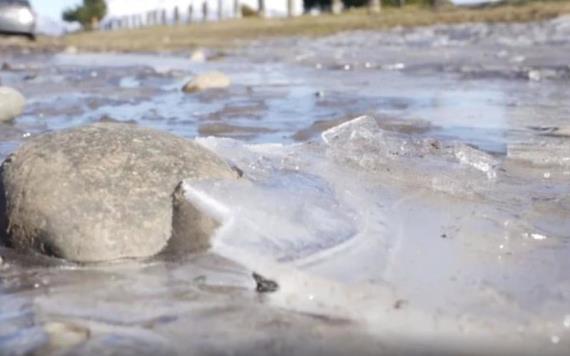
<point x="17" y="17"/>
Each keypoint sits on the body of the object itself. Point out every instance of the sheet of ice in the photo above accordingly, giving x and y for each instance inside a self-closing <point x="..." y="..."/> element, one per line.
<point x="287" y="218"/>
<point x="346" y="239"/>
<point x="448" y="166"/>
<point x="369" y="250"/>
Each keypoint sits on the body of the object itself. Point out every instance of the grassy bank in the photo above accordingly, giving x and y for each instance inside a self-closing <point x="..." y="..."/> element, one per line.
<point x="235" y="32"/>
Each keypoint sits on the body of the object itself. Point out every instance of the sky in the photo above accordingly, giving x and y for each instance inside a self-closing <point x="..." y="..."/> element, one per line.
<point x="52" y="8"/>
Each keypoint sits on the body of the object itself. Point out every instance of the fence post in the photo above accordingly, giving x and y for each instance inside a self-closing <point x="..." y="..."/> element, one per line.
<point x="290" y="8"/>
<point x="205" y="11"/>
<point x="220" y="9"/>
<point x="374" y="6"/>
<point x="163" y="18"/>
<point x="176" y="15"/>
<point x="261" y="7"/>
<point x="190" y="13"/>
<point x="237" y="10"/>
<point x="337" y="6"/>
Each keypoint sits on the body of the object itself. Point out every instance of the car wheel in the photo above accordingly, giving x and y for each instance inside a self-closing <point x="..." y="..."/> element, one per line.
<point x="31" y="37"/>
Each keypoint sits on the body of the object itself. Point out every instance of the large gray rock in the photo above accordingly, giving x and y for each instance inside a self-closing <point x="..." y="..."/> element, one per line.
<point x="100" y="192"/>
<point x="192" y="228"/>
<point x="11" y="103"/>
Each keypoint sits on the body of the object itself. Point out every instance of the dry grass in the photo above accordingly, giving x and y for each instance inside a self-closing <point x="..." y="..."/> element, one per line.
<point x="235" y="32"/>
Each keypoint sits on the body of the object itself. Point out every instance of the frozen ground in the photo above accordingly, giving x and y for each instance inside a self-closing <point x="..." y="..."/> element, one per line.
<point x="407" y="190"/>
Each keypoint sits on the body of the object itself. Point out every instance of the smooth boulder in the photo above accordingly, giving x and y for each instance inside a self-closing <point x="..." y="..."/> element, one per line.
<point x="209" y="80"/>
<point x="12" y="103"/>
<point x="100" y="192"/>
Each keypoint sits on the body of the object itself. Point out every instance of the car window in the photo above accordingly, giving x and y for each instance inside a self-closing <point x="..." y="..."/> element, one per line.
<point x="19" y="2"/>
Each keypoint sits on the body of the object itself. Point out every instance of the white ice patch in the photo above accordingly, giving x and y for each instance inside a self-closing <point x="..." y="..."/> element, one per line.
<point x="287" y="218"/>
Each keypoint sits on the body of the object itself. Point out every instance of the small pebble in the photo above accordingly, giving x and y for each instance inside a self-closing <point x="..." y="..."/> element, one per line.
<point x="400" y="303"/>
<point x="534" y="75"/>
<point x="64" y="335"/>
<point x="210" y="80"/>
<point x="12" y="103"/>
<point x="264" y="285"/>
<point x="70" y="50"/>
<point x="198" y="56"/>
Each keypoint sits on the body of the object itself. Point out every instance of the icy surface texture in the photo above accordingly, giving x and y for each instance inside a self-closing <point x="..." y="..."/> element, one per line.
<point x="452" y="167"/>
<point x="288" y="217"/>
<point x="361" y="258"/>
<point x="547" y="150"/>
<point x="495" y="258"/>
<point x="447" y="219"/>
<point x="527" y="51"/>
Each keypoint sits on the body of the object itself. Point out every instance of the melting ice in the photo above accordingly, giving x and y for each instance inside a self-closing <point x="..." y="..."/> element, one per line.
<point x="364" y="222"/>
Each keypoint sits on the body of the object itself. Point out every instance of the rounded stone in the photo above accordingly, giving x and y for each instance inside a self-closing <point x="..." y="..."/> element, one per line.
<point x="99" y="192"/>
<point x="210" y="80"/>
<point x="198" y="56"/>
<point x="12" y="103"/>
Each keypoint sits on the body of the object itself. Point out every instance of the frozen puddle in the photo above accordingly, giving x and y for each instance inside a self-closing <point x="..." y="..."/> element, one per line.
<point x="379" y="238"/>
<point x="414" y="238"/>
<point x="440" y="226"/>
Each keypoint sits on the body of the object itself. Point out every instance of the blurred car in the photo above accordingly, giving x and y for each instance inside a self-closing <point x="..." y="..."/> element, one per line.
<point x="17" y="17"/>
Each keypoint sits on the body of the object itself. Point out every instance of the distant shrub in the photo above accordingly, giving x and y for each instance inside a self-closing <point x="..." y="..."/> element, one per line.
<point x="88" y="14"/>
<point x="248" y="11"/>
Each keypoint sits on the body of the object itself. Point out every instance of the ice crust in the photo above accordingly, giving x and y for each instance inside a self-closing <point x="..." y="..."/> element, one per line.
<point x="361" y="242"/>
<point x="447" y="166"/>
<point x="355" y="223"/>
<point x="288" y="218"/>
<point x="526" y="51"/>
